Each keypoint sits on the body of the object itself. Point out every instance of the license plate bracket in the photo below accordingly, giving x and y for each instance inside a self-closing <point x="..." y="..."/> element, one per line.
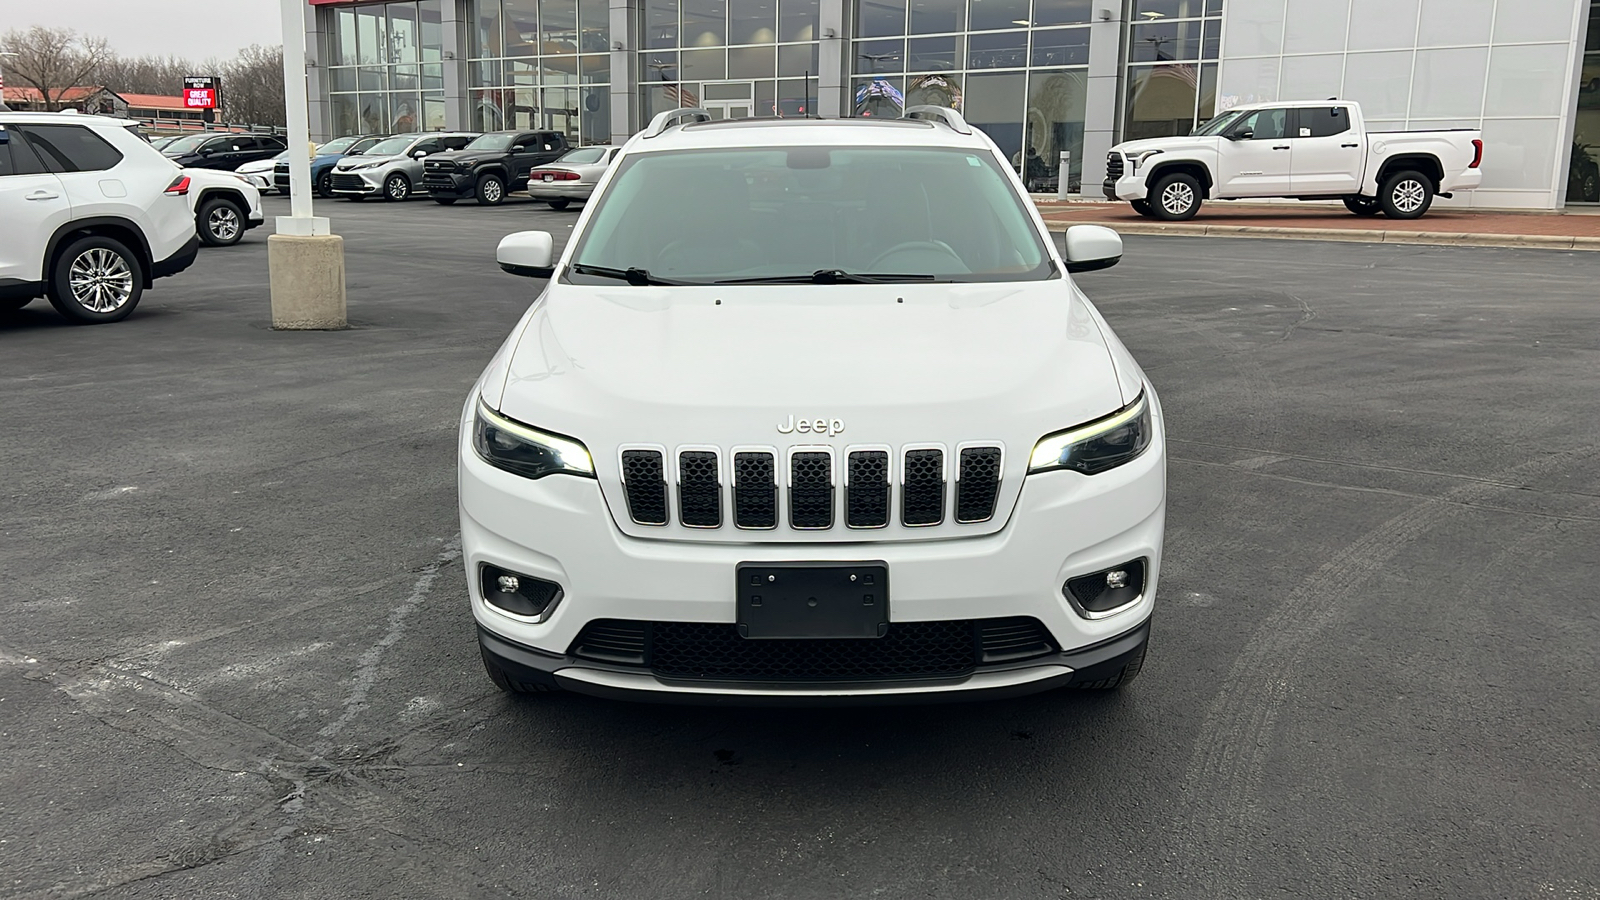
<point x="813" y="600"/>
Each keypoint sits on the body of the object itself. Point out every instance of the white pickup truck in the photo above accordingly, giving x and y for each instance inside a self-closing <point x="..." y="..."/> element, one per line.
<point x="1310" y="150"/>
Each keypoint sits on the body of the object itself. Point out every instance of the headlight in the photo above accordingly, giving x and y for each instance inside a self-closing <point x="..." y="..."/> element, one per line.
<point x="526" y="451"/>
<point x="361" y="165"/>
<point x="1097" y="446"/>
<point x="467" y="163"/>
<point x="1140" y="157"/>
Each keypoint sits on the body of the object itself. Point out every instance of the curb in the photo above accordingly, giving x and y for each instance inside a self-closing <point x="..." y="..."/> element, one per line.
<point x="1352" y="235"/>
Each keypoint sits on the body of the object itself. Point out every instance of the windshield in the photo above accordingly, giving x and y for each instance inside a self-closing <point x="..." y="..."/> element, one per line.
<point x="186" y="144"/>
<point x="362" y="146"/>
<point x="704" y="216"/>
<point x="498" y="141"/>
<point x="338" y="145"/>
<point x="584" y="156"/>
<point x="1215" y="126"/>
<point x="390" y="146"/>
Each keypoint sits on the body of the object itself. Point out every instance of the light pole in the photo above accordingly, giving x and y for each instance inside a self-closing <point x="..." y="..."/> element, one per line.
<point x="304" y="258"/>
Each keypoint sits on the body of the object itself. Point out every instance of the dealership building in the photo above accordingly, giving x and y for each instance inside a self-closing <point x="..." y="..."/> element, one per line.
<point x="1041" y="77"/>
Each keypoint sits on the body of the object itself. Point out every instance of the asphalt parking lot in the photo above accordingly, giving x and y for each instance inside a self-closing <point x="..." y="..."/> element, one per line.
<point x="236" y="658"/>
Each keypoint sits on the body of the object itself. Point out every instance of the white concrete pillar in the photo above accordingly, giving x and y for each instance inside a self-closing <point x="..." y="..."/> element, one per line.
<point x="624" y="70"/>
<point x="454" y="51"/>
<point x="833" y="55"/>
<point x="1102" y="116"/>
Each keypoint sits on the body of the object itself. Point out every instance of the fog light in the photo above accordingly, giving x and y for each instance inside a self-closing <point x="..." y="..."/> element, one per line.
<point x="520" y="595"/>
<point x="1101" y="593"/>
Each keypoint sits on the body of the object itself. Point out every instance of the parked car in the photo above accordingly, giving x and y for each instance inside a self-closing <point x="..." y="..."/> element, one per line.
<point x="392" y="167"/>
<point x="161" y="142"/>
<point x="322" y="163"/>
<point x="1312" y="150"/>
<point x="91" y="251"/>
<point x="222" y="151"/>
<point x="490" y="166"/>
<point x="572" y="177"/>
<point x="657" y="504"/>
<point x="259" y="173"/>
<point x="225" y="205"/>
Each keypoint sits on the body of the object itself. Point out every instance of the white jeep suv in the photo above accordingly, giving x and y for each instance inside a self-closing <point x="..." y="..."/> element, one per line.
<point x="810" y="410"/>
<point x="90" y="215"/>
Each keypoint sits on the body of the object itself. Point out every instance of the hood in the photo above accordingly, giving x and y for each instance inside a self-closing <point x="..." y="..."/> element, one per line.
<point x="453" y="155"/>
<point x="672" y="365"/>
<point x="260" y="165"/>
<point x="1166" y="144"/>
<point x="349" y="162"/>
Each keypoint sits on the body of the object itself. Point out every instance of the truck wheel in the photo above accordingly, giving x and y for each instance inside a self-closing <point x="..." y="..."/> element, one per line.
<point x="511" y="685"/>
<point x="491" y="190"/>
<point x="396" y="187"/>
<point x="324" y="185"/>
<point x="1175" y="197"/>
<point x="220" y="222"/>
<point x="445" y="201"/>
<point x="559" y="204"/>
<point x="96" y="280"/>
<point x="1143" y="208"/>
<point x="1406" y="195"/>
<point x="1363" y="206"/>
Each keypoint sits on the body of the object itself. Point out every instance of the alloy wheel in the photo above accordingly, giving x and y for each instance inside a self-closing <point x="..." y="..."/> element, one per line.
<point x="1177" y="198"/>
<point x="491" y="191"/>
<point x="101" y="280"/>
<point x="223" y="223"/>
<point x="1409" y="195"/>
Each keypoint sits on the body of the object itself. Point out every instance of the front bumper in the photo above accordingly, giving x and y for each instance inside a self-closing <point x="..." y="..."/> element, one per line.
<point x="363" y="182"/>
<point x="449" y="184"/>
<point x="1129" y="187"/>
<point x="261" y="181"/>
<point x="559" y="528"/>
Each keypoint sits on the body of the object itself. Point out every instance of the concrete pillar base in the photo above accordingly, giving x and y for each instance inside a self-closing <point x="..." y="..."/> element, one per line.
<point x="307" y="277"/>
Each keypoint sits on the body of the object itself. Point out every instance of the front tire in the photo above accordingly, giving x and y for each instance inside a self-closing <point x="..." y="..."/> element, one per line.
<point x="1406" y="195"/>
<point x="220" y="223"/>
<point x="491" y="190"/>
<point x="1143" y="208"/>
<point x="324" y="185"/>
<point x="559" y="204"/>
<point x="396" y="187"/>
<point x="1363" y="206"/>
<point x="96" y="280"/>
<point x="1175" y="197"/>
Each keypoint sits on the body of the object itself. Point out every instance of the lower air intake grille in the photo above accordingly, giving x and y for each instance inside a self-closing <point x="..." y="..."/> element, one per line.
<point x="1007" y="640"/>
<point x="978" y="484"/>
<point x="811" y="490"/>
<point x="644" y="482"/>
<point x="755" y="490"/>
<point x="922" y="495"/>
<point x="610" y="640"/>
<point x="867" y="489"/>
<point x="699" y="489"/>
<point x="343" y="182"/>
<point x="716" y="652"/>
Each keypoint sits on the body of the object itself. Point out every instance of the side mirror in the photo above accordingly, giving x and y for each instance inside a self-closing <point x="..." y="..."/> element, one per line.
<point x="518" y="148"/>
<point x="419" y="154"/>
<point x="532" y="254"/>
<point x="205" y="151"/>
<point x="1092" y="247"/>
<point x="1240" y="135"/>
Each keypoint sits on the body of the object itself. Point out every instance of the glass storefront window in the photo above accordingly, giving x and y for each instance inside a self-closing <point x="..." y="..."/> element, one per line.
<point x="1583" y="166"/>
<point x="995" y="104"/>
<point x="797" y="97"/>
<point x="875" y="57"/>
<point x="1061" y="12"/>
<point x="987" y="15"/>
<point x="1005" y="50"/>
<point x="753" y="21"/>
<point x="596" y="68"/>
<point x="705" y="23"/>
<point x="520" y="27"/>
<point x="373" y="78"/>
<point x="370" y="38"/>
<point x="704" y="65"/>
<point x="1161" y="100"/>
<point x="558" y="27"/>
<point x="486" y="30"/>
<point x="935" y="90"/>
<point x="374" y="112"/>
<point x="1061" y="47"/>
<point x="1056" y="102"/>
<point x="1169" y="89"/>
<point x="660" y="65"/>
<point x="878" y="18"/>
<point x="797" y="59"/>
<point x="429" y="26"/>
<point x="1171" y="9"/>
<point x="343" y="40"/>
<point x="594" y="26"/>
<point x="935" y="16"/>
<point x="433" y="112"/>
<point x="935" y="54"/>
<point x="660" y="23"/>
<point x="797" y="20"/>
<point x="752" y="62"/>
<point x="345" y="118"/>
<point x="343" y="79"/>
<point x="595" y="114"/>
<point x="403" y="36"/>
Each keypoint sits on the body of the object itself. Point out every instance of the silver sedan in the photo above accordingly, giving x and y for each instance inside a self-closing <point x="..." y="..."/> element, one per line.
<point x="571" y="177"/>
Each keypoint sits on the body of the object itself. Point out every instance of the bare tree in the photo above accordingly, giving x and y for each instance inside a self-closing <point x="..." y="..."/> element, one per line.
<point x="252" y="86"/>
<point x="145" y="74"/>
<point x="52" y="60"/>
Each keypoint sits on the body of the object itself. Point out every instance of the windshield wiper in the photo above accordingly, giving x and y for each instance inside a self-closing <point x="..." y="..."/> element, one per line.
<point x="828" y="276"/>
<point x="632" y="275"/>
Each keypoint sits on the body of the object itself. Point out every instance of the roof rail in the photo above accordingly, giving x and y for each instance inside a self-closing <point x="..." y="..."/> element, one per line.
<point x="943" y="113"/>
<point x="672" y="117"/>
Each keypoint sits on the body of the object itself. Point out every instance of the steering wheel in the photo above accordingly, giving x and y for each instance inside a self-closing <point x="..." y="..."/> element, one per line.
<point x="938" y="248"/>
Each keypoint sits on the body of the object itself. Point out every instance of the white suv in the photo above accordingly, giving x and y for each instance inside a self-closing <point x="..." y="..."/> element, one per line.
<point x="810" y="410"/>
<point x="90" y="215"/>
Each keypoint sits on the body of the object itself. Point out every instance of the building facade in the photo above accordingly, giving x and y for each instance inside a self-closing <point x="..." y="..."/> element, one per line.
<point x="1041" y="77"/>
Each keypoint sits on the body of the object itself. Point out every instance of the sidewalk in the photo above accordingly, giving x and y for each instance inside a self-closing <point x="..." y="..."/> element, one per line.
<point x="1321" y="222"/>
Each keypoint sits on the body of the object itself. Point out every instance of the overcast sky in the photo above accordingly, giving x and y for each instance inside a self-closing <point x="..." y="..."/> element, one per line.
<point x="190" y="28"/>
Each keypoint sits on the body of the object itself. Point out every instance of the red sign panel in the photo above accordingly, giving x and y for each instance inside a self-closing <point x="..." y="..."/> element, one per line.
<point x="200" y="98"/>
